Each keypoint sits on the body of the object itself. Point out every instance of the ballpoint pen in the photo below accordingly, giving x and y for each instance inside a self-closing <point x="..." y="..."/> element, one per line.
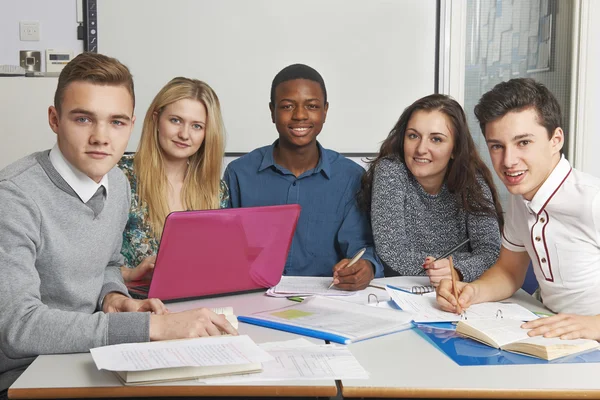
<point x="353" y="261"/>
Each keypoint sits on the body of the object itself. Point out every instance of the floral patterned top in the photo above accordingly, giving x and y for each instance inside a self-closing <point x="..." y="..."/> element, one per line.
<point x="138" y="240"/>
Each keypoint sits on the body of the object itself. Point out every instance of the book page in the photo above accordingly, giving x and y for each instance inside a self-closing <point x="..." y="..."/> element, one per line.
<point x="426" y="309"/>
<point x="336" y="316"/>
<point x="501" y="331"/>
<point x="558" y="342"/>
<point x="300" y="359"/>
<point x="305" y="286"/>
<point x="220" y="350"/>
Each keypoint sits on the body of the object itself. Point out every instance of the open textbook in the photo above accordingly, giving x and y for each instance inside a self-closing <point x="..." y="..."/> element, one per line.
<point x="425" y="309"/>
<point x="332" y="319"/>
<point x="508" y="335"/>
<point x="138" y="363"/>
<point x="305" y="286"/>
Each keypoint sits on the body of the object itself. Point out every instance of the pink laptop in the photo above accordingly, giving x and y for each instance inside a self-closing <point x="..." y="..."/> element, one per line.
<point x="217" y="252"/>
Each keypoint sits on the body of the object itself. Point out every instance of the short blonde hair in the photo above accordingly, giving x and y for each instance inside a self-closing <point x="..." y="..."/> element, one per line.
<point x="94" y="68"/>
<point x="202" y="183"/>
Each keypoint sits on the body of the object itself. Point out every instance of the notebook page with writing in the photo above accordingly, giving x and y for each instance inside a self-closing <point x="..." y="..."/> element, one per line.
<point x="425" y="309"/>
<point x="305" y="286"/>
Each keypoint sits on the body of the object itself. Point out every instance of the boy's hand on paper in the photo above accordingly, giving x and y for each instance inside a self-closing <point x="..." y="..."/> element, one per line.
<point x="189" y="324"/>
<point x="118" y="302"/>
<point x="354" y="277"/>
<point x="565" y="326"/>
<point x="467" y="295"/>
<point x="437" y="270"/>
<point x="142" y="272"/>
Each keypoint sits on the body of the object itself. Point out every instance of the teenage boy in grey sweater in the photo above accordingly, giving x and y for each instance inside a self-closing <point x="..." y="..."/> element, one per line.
<point x="62" y="214"/>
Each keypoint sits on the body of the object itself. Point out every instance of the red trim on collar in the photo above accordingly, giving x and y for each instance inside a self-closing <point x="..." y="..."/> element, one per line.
<point x="555" y="190"/>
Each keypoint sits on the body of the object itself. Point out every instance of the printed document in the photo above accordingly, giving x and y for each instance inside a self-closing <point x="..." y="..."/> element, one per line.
<point x="300" y="359"/>
<point x="209" y="351"/>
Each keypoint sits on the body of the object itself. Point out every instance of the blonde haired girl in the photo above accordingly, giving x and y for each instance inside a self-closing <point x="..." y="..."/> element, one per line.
<point x="177" y="167"/>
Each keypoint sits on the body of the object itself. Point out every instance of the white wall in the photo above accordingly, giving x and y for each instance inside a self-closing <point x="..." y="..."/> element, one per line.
<point x="376" y="57"/>
<point x="58" y="27"/>
<point x="24" y="101"/>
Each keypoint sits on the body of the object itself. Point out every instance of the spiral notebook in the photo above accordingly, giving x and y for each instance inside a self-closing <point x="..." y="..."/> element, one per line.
<point x="411" y="284"/>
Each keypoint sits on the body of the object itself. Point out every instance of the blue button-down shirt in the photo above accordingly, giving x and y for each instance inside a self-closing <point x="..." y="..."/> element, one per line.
<point x="330" y="226"/>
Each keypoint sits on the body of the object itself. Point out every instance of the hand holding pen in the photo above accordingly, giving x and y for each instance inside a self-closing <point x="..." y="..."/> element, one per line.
<point x="353" y="274"/>
<point x="439" y="268"/>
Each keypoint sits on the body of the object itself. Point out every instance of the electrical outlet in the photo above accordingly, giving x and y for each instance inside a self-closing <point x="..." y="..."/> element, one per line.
<point x="29" y="30"/>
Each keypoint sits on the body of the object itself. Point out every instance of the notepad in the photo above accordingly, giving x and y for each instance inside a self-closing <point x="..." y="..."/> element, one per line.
<point x="425" y="309"/>
<point x="139" y="363"/>
<point x="508" y="335"/>
<point x="412" y="284"/>
<point x="332" y="319"/>
<point x="305" y="286"/>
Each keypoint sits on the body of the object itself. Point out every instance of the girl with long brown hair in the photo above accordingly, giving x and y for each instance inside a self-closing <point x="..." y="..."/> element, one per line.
<point x="427" y="191"/>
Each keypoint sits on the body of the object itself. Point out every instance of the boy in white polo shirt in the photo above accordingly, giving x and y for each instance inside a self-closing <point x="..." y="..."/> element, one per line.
<point x="553" y="218"/>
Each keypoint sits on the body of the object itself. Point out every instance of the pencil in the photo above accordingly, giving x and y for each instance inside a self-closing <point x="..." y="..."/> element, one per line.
<point x="454" y="288"/>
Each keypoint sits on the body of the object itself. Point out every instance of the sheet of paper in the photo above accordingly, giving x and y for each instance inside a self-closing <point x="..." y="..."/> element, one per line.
<point x="300" y="359"/>
<point x="425" y="309"/>
<point x="305" y="286"/>
<point x="222" y="350"/>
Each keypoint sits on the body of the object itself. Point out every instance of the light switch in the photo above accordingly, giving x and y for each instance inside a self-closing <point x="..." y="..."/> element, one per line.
<point x="29" y="30"/>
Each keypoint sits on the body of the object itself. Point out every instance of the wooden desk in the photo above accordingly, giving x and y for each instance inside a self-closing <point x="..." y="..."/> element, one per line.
<point x="76" y="376"/>
<point x="405" y="365"/>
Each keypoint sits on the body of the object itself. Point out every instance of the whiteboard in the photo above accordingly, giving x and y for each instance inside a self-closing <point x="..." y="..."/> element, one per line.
<point x="376" y="57"/>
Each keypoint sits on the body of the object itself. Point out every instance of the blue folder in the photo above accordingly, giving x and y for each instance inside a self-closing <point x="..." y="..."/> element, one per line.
<point x="465" y="351"/>
<point x="296" y="329"/>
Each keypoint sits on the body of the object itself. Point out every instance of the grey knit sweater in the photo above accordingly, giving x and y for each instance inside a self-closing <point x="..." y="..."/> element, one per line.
<point x="410" y="224"/>
<point x="57" y="262"/>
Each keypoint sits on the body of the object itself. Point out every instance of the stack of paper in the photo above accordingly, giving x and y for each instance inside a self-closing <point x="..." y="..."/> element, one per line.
<point x="305" y="286"/>
<point x="300" y="359"/>
<point x="137" y="363"/>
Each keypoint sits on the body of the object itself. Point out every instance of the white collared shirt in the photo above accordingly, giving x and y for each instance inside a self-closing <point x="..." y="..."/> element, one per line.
<point x="83" y="185"/>
<point x="560" y="230"/>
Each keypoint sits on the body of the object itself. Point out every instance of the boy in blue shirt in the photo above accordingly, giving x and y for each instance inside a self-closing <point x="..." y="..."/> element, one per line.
<point x="296" y="169"/>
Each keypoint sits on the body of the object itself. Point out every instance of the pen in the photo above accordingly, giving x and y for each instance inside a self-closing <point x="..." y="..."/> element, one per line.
<point x="353" y="261"/>
<point x="452" y="250"/>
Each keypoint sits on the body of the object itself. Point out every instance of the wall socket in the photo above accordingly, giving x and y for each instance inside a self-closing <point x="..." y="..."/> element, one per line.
<point x="29" y="30"/>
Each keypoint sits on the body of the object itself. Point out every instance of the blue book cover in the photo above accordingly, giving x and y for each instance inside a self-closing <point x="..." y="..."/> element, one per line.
<point x="465" y="351"/>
